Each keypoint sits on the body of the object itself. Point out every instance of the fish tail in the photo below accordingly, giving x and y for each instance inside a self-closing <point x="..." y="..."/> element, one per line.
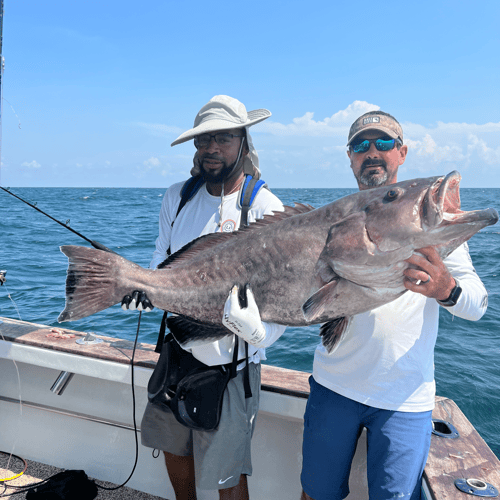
<point x="94" y="281"/>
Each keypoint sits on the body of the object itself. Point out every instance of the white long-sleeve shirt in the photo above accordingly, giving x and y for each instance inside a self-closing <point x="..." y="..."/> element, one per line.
<point x="386" y="359"/>
<point x="201" y="215"/>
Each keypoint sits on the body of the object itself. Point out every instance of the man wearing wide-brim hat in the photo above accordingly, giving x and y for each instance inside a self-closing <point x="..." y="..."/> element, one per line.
<point x="224" y="157"/>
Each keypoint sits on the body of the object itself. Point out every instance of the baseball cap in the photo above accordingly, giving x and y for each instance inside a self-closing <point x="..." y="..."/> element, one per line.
<point x="376" y="121"/>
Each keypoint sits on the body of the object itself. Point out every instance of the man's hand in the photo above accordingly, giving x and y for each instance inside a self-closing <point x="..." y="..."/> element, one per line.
<point x="138" y="300"/>
<point x="245" y="322"/>
<point x="428" y="275"/>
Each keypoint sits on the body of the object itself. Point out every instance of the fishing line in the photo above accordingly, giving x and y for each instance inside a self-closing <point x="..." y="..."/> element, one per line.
<point x="99" y="246"/>
<point x="24" y="488"/>
<point x="133" y="412"/>
<point x="12" y="300"/>
<point x="20" y="400"/>
<point x="11" y="107"/>
<point x="95" y="244"/>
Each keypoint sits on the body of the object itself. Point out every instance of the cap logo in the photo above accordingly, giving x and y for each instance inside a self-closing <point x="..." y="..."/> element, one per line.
<point x="371" y="119"/>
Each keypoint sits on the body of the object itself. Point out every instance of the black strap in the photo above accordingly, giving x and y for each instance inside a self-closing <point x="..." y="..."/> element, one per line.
<point x="246" y="375"/>
<point x="190" y="188"/>
<point x="245" y="207"/>
<point x="251" y="186"/>
<point x="234" y="363"/>
<point x="161" y="333"/>
<point x="245" y="202"/>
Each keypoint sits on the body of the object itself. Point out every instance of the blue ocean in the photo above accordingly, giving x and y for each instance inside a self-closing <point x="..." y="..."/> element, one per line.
<point x="126" y="220"/>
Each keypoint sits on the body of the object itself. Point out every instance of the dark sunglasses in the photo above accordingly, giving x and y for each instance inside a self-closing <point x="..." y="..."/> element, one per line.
<point x="380" y="144"/>
<point x="222" y="139"/>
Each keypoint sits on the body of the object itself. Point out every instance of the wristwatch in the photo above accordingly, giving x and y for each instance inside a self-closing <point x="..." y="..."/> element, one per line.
<point x="454" y="295"/>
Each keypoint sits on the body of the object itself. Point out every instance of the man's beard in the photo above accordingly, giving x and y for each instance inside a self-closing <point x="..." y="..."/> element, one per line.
<point x="209" y="176"/>
<point x="373" y="179"/>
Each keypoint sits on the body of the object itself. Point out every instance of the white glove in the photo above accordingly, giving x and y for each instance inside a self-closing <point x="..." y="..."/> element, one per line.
<point x="138" y="300"/>
<point x="246" y="322"/>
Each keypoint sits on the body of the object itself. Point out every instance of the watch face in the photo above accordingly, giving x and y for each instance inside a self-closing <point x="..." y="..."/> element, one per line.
<point x="455" y="294"/>
<point x="453" y="298"/>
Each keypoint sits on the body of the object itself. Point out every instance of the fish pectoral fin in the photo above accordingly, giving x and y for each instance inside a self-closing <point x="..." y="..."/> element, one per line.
<point x="333" y="333"/>
<point x="191" y="333"/>
<point x="317" y="303"/>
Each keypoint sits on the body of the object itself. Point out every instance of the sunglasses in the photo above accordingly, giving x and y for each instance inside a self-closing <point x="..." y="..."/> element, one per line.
<point x="380" y="144"/>
<point x="222" y="139"/>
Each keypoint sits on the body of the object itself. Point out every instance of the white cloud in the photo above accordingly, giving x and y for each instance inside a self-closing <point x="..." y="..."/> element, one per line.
<point x="152" y="162"/>
<point x="486" y="154"/>
<point x="335" y="125"/>
<point x="432" y="148"/>
<point x="31" y="164"/>
<point x="428" y="149"/>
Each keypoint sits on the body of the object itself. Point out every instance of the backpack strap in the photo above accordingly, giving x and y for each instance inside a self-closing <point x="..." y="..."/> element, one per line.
<point x="190" y="188"/>
<point x="249" y="190"/>
<point x="161" y="334"/>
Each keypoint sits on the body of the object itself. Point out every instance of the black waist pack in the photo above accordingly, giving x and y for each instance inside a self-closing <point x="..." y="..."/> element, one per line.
<point x="197" y="403"/>
<point x="65" y="485"/>
<point x="192" y="390"/>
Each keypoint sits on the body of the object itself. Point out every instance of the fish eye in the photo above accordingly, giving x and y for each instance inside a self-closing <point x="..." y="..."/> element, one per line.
<point x="391" y="195"/>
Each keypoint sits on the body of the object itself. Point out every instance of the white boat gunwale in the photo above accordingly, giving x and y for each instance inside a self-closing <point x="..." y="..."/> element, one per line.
<point x="284" y="395"/>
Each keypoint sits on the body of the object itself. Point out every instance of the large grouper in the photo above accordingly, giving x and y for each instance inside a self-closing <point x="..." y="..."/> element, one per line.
<point x="305" y="266"/>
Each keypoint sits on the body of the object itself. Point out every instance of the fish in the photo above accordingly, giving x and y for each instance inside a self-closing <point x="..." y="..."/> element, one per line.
<point x="305" y="266"/>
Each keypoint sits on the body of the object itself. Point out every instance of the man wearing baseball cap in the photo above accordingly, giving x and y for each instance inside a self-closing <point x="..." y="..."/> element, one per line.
<point x="381" y="375"/>
<point x="224" y="158"/>
<point x="376" y="166"/>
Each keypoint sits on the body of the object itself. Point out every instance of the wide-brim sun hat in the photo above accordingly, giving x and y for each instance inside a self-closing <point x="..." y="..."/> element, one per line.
<point x="222" y="113"/>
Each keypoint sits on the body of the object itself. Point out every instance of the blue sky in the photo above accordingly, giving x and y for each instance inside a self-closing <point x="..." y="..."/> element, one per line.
<point x="95" y="91"/>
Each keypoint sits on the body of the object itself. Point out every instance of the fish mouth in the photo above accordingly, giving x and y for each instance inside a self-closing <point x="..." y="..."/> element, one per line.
<point x="441" y="205"/>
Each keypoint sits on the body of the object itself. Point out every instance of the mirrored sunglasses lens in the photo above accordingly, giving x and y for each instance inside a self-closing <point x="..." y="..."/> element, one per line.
<point x="384" y="145"/>
<point x="362" y="147"/>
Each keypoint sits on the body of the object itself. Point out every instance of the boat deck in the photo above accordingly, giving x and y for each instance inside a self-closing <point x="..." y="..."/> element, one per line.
<point x="37" y="472"/>
<point x="106" y="366"/>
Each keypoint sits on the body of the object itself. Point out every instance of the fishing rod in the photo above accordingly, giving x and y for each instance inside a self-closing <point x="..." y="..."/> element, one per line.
<point x="95" y="244"/>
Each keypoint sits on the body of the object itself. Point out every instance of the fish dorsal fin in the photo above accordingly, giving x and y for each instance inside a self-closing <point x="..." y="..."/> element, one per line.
<point x="202" y="243"/>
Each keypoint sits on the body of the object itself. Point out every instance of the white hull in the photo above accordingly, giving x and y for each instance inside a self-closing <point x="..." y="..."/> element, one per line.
<point x="90" y="425"/>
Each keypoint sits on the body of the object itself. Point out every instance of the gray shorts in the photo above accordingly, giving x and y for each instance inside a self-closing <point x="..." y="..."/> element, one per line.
<point x="220" y="456"/>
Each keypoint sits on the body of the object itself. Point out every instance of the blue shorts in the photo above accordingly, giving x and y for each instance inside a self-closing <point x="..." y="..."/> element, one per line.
<point x="397" y="447"/>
